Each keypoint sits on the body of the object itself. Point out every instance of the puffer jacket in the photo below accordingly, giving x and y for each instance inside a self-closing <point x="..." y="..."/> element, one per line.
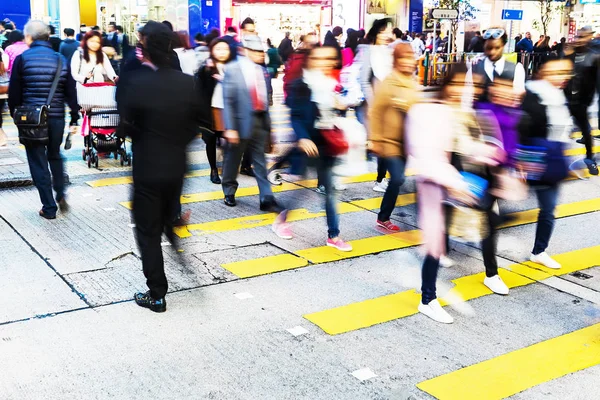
<point x="31" y="80"/>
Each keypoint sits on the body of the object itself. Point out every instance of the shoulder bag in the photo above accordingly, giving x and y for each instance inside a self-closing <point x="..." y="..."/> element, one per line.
<point x="32" y="121"/>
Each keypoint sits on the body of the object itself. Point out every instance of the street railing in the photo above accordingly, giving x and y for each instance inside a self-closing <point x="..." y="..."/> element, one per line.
<point x="433" y="68"/>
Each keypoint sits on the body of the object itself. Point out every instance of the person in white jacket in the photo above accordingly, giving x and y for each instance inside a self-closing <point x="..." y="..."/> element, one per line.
<point x="90" y="64"/>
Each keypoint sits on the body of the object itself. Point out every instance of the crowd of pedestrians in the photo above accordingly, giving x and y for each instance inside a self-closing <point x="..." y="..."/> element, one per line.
<point x="493" y="135"/>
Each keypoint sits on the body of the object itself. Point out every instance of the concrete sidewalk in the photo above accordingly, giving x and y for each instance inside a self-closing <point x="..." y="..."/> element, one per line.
<point x="14" y="170"/>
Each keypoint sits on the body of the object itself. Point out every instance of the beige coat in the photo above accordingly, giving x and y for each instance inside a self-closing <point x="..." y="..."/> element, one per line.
<point x="392" y="99"/>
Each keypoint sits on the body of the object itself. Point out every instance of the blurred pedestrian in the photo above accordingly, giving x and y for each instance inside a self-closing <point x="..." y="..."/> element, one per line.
<point x="377" y="63"/>
<point x="90" y="63"/>
<point x="286" y="48"/>
<point x="69" y="46"/>
<point x="202" y="51"/>
<point x="247" y="120"/>
<point x="164" y="108"/>
<point x="16" y="48"/>
<point x="210" y="87"/>
<point x="275" y="61"/>
<point x="391" y="101"/>
<point x="476" y="43"/>
<point x="582" y="88"/>
<point x="313" y="102"/>
<point x="525" y="44"/>
<point x="294" y="65"/>
<point x="30" y="85"/>
<point x="548" y="118"/>
<point x="185" y="53"/>
<point x="418" y="45"/>
<point x="55" y="39"/>
<point x="350" y="48"/>
<point x="4" y="81"/>
<point x="431" y="142"/>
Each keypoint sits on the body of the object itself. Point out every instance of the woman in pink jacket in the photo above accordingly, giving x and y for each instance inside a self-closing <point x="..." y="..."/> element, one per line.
<point x="435" y="131"/>
<point x="17" y="47"/>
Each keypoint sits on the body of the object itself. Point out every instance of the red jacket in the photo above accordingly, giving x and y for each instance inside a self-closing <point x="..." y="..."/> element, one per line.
<point x="293" y="69"/>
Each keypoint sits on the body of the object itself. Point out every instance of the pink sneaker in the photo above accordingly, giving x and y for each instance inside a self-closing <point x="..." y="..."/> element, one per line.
<point x="339" y="244"/>
<point x="389" y="225"/>
<point x="282" y="229"/>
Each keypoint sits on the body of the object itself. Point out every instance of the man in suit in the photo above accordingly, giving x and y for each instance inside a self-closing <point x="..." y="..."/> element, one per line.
<point x="163" y="110"/>
<point x="247" y="121"/>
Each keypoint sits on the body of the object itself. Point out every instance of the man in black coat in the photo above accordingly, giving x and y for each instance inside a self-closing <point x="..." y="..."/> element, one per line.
<point x="286" y="48"/>
<point x="163" y="106"/>
<point x="30" y="82"/>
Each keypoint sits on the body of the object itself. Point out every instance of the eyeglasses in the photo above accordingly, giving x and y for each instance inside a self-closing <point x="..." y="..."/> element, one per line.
<point x="493" y="33"/>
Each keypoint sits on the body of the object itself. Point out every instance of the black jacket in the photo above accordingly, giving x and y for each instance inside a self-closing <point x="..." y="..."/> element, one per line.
<point x="205" y="86"/>
<point x="581" y="89"/>
<point x="534" y="123"/>
<point x="285" y="49"/>
<point x="164" y="107"/>
<point x="31" y="80"/>
<point x="55" y="42"/>
<point x="476" y="45"/>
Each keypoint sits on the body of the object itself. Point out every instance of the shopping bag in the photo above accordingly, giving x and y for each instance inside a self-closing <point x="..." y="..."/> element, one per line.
<point x="335" y="142"/>
<point x="353" y="162"/>
<point x="96" y="95"/>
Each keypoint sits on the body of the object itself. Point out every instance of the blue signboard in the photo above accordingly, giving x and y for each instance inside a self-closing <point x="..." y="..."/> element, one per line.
<point x="515" y="15"/>
<point x="416" y="16"/>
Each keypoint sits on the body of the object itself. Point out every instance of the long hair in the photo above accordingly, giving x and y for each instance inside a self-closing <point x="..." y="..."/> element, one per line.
<point x="184" y="40"/>
<point x="86" y="51"/>
<point x="216" y="42"/>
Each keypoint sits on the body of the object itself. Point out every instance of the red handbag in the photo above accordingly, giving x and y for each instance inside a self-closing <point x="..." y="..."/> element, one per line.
<point x="335" y="141"/>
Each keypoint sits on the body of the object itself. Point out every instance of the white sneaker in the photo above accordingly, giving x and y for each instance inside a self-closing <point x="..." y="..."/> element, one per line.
<point x="382" y="186"/>
<point x="435" y="311"/>
<point x="446" y="262"/>
<point x="339" y="185"/>
<point x="545" y="260"/>
<point x="496" y="284"/>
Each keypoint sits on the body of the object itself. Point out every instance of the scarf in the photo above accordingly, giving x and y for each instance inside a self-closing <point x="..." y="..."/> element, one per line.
<point x="557" y="112"/>
<point x="323" y="94"/>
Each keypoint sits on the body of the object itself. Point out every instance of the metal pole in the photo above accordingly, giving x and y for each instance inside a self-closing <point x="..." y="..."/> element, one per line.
<point x="433" y="40"/>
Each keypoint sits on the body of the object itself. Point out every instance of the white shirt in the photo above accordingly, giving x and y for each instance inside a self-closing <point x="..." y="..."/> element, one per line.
<point x="187" y="60"/>
<point x="250" y="70"/>
<point x="418" y="47"/>
<point x="81" y="68"/>
<point x="519" y="79"/>
<point x="4" y="79"/>
<point x="382" y="61"/>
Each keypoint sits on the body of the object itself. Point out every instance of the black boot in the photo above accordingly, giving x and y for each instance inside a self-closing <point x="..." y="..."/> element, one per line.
<point x="214" y="176"/>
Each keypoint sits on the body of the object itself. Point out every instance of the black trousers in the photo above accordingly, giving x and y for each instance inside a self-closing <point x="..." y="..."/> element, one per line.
<point x="153" y="205"/>
<point x="580" y="115"/>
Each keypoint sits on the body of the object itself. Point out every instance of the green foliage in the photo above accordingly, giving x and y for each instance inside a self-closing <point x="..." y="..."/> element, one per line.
<point x="548" y="11"/>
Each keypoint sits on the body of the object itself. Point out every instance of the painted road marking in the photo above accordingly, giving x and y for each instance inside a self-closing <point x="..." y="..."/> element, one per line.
<point x="253" y="190"/>
<point x="126" y="180"/>
<point x="297" y="331"/>
<point x="381" y="243"/>
<point x="382" y="309"/>
<point x="364" y="374"/>
<point x="301" y="214"/>
<point x="514" y="372"/>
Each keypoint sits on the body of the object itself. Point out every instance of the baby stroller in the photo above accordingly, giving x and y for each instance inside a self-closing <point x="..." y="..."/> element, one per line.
<point x="102" y="137"/>
<point x="100" y="123"/>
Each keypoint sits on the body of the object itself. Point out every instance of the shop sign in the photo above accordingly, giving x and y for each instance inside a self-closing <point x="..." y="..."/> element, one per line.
<point x="416" y="16"/>
<point x="572" y="30"/>
<point x="376" y="7"/>
<point x="346" y="13"/>
<point x="322" y="3"/>
<point x="589" y="1"/>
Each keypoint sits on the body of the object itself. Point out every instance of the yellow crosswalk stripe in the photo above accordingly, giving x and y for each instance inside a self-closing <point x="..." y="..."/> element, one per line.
<point x="577" y="135"/>
<point x="301" y="214"/>
<point x="514" y="372"/>
<point x="125" y="180"/>
<point x="253" y="190"/>
<point x="400" y="305"/>
<point x="401" y="240"/>
<point x="580" y="151"/>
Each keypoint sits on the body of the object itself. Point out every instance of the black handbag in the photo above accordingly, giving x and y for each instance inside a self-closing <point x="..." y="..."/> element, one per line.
<point x="32" y="121"/>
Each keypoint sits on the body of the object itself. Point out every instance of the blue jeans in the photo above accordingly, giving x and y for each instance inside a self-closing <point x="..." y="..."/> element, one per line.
<point x="39" y="157"/>
<point x="428" y="278"/>
<point x="547" y="198"/>
<point x="325" y="172"/>
<point x="395" y="165"/>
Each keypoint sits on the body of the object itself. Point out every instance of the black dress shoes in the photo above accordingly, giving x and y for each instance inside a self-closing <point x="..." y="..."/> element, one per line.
<point x="247" y="172"/>
<point x="146" y="301"/>
<point x="47" y="216"/>
<point x="214" y="177"/>
<point x="230" y="201"/>
<point x="269" y="205"/>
